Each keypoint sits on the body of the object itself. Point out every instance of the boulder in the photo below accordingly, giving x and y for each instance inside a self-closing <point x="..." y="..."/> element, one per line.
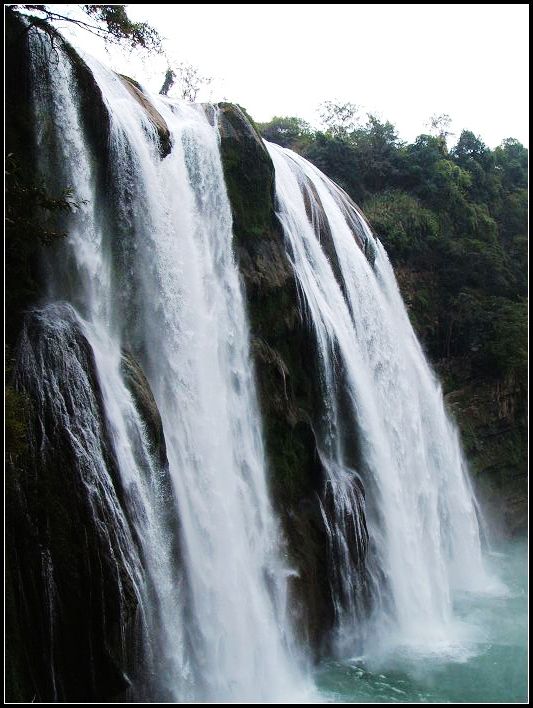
<point x="159" y="123"/>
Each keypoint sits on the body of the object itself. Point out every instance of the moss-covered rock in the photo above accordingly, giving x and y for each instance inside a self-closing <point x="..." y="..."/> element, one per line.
<point x="165" y="142"/>
<point x="286" y="366"/>
<point x="71" y="624"/>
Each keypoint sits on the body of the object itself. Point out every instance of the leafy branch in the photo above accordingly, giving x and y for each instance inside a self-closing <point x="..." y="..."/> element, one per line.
<point x="107" y="22"/>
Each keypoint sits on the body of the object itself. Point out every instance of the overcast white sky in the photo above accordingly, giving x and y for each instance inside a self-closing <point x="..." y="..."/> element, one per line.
<point x="402" y="62"/>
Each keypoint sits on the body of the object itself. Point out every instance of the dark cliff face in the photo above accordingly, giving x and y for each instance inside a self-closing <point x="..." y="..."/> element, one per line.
<point x="71" y="593"/>
<point x="157" y="120"/>
<point x="492" y="418"/>
<point x="22" y="280"/>
<point x="145" y="403"/>
<point x="73" y="561"/>
<point x="490" y="410"/>
<point x="35" y="207"/>
<point x="286" y="365"/>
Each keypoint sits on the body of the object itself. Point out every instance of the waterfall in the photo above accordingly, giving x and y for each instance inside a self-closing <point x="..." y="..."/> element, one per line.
<point x="421" y="525"/>
<point x="138" y="364"/>
<point x="148" y="271"/>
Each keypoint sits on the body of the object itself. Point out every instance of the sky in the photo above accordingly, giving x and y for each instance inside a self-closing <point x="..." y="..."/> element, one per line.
<point x="403" y="63"/>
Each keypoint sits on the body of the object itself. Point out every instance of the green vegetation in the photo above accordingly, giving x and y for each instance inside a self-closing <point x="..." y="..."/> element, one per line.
<point x="108" y="22"/>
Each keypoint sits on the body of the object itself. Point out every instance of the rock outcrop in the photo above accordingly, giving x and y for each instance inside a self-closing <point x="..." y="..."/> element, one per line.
<point x="286" y="365"/>
<point x="71" y="578"/>
<point x="145" y="402"/>
<point x="159" y="123"/>
<point x="494" y="430"/>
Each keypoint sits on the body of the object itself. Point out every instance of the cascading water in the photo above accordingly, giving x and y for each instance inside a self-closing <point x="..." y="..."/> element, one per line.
<point x="148" y="265"/>
<point x="420" y="511"/>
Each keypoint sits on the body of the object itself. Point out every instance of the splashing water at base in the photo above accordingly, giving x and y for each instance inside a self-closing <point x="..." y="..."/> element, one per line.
<point x="487" y="664"/>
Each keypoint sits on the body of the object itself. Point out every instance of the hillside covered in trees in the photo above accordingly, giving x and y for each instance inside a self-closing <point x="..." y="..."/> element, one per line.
<point x="454" y="222"/>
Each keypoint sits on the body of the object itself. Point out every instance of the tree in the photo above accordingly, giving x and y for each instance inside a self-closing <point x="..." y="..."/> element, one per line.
<point x="512" y="162"/>
<point x="377" y="152"/>
<point x="470" y="146"/>
<point x="403" y="224"/>
<point x="168" y="82"/>
<point x="287" y="132"/>
<point x="340" y="119"/>
<point x="471" y="154"/>
<point x="108" y="22"/>
<point x="188" y="80"/>
<point x="439" y="124"/>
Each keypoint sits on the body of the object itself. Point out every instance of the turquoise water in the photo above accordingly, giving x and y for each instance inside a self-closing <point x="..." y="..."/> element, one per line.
<point x="487" y="664"/>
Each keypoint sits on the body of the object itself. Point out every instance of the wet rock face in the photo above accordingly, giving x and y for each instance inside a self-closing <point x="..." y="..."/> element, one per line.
<point x="21" y="269"/>
<point x="286" y="366"/>
<point x="139" y="387"/>
<point x="71" y="583"/>
<point x="494" y="430"/>
<point x="159" y="123"/>
<point x="146" y="405"/>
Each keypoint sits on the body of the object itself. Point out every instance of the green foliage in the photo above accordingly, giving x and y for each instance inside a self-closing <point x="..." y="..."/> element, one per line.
<point x="288" y="132"/>
<point x="16" y="408"/>
<point x="508" y="344"/>
<point x="29" y="206"/>
<point x="336" y="157"/>
<point x="108" y="22"/>
<point x="122" y="30"/>
<point x="340" y="119"/>
<point x="512" y="162"/>
<point x="379" y="157"/>
<point x="495" y="330"/>
<point x="402" y="222"/>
